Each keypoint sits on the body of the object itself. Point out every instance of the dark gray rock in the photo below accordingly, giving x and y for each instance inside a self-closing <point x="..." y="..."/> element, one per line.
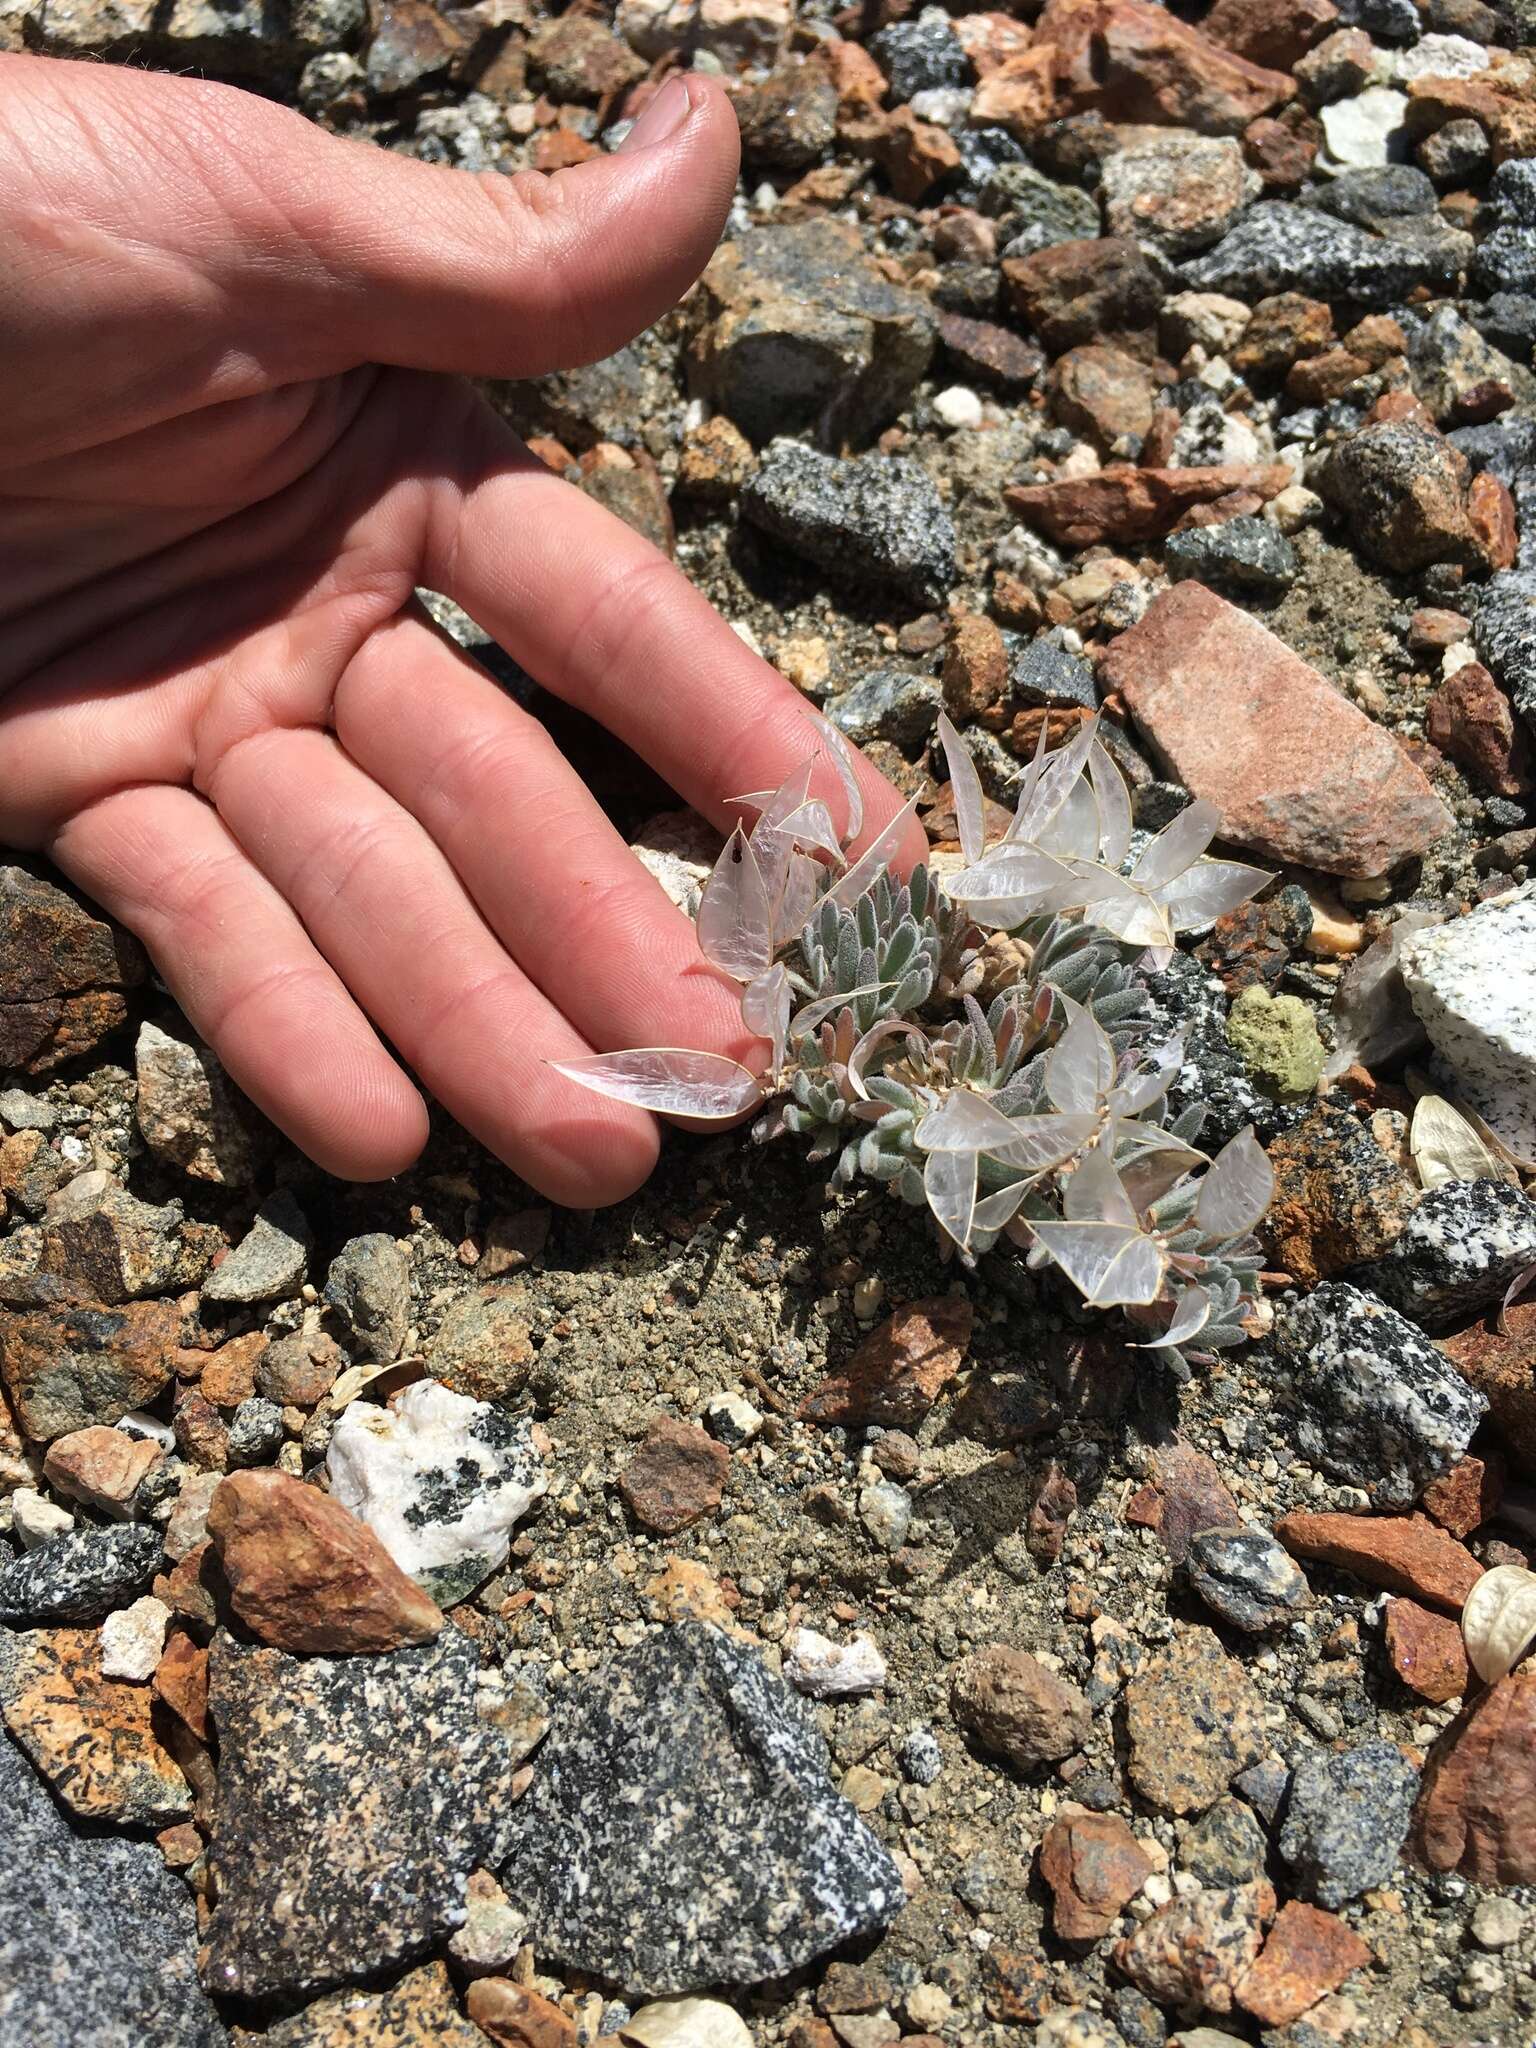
<point x="1505" y="632"/>
<point x="1277" y="247"/>
<point x="1247" y="1578"/>
<point x="1264" y="1786"/>
<point x="1450" y="359"/>
<point x="876" y="518"/>
<point x="1508" y="320"/>
<point x="255" y="1433"/>
<point x="98" y="1940"/>
<point x="1377" y="1404"/>
<point x="269" y="1262"/>
<point x="1247" y="554"/>
<point x="1388" y="21"/>
<point x="80" y="1577"/>
<point x="1346" y="1820"/>
<point x="1506" y="261"/>
<point x="1226" y="1846"/>
<point x="888" y="704"/>
<point x="1457" y="1253"/>
<point x="1044" y="672"/>
<point x="1455" y="154"/>
<point x="1400" y="486"/>
<point x="920" y="56"/>
<point x="1505" y="446"/>
<point x="356" y="1795"/>
<point x="681" y="1829"/>
<point x="1033" y="206"/>
<point x="1369" y="197"/>
<point x="369" y="1290"/>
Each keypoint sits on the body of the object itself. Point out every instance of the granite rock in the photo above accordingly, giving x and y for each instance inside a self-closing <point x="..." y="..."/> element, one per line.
<point x="1339" y="1200"/>
<point x="1377" y="1404"/>
<point x="1018" y="1708"/>
<point x="1193" y="1721"/>
<point x="1457" y="1253"/>
<point x="1247" y="1578"/>
<point x="874" y="518"/>
<point x="368" y="1289"/>
<point x="420" y="2011"/>
<point x="90" y="1735"/>
<point x="356" y="1795"/>
<point x="189" y="1112"/>
<point x="270" y="1261"/>
<point x="80" y="1577"/>
<point x="1277" y="247"/>
<point x="681" y="1830"/>
<point x="887" y="704"/>
<point x="1346" y="1819"/>
<point x="97" y="1938"/>
<point x="1467" y="981"/>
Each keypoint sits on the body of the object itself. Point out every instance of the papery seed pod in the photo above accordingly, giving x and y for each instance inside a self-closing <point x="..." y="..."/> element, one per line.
<point x="1498" y="1621"/>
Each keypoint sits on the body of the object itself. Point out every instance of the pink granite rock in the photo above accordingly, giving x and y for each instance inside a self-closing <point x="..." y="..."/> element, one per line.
<point x="1299" y="773"/>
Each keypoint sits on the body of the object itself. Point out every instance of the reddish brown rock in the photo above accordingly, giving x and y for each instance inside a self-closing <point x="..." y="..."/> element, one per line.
<point x="1308" y="1954"/>
<point x="716" y="460"/>
<point x="1019" y="94"/>
<point x="860" y="83"/>
<point x="181" y="1680"/>
<point x="62" y="973"/>
<point x="1017" y="1708"/>
<point x="1339" y="1200"/>
<point x="1087" y="291"/>
<point x="228" y="1375"/>
<point x="1432" y="629"/>
<point x="1462" y="1499"/>
<point x="1470" y="719"/>
<point x="1267" y="34"/>
<point x="1125" y="503"/>
<point x="1297" y="771"/>
<point x="1402" y="1553"/>
<point x="1132" y="61"/>
<point x="899" y="1369"/>
<point x="1016" y="1986"/>
<point x="1192" y="1722"/>
<point x="989" y="354"/>
<point x="1184" y="1494"/>
<point x="102" y="1467"/>
<point x="1427" y="1651"/>
<point x="1102" y="392"/>
<point x="1196" y="1952"/>
<point x="1491" y="516"/>
<point x="628" y="483"/>
<point x="305" y="1575"/>
<point x="1281" y="152"/>
<point x="89" y="1736"/>
<point x="557" y="149"/>
<point x="1094" y="1865"/>
<point x="65" y="1369"/>
<point x="1477" y="1802"/>
<point x="1401" y="487"/>
<point x="677" y="1475"/>
<point x="975" y="667"/>
<point x="516" y="2017"/>
<point x="1053" y="1503"/>
<point x="914" y="154"/>
<point x="1501" y="1364"/>
<point x="1281" y="331"/>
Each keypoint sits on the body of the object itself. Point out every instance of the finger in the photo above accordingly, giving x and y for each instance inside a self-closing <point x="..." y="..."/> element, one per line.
<point x="348" y="253"/>
<point x="385" y="908"/>
<point x="238" y="962"/>
<point x="601" y="618"/>
<point x="552" y="877"/>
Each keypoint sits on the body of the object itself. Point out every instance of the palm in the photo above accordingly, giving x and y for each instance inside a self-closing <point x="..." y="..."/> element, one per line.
<point x="220" y="710"/>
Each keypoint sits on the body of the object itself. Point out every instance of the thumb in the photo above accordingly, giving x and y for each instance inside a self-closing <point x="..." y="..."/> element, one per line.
<point x="401" y="262"/>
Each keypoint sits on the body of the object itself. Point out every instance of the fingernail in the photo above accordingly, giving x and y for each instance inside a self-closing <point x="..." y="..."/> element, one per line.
<point x="663" y="116"/>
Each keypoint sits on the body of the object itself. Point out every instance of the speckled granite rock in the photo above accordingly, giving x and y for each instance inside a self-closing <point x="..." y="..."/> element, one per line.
<point x="89" y="1735"/>
<point x="681" y="1829"/>
<point x="1339" y="1200"/>
<point x="1506" y="633"/>
<point x="1346" y="1819"/>
<point x="270" y="1261"/>
<point x="1377" y="1404"/>
<point x="1470" y="982"/>
<point x="875" y="518"/>
<point x="1246" y="1577"/>
<point x="1280" y="248"/>
<point x="1458" y="1252"/>
<point x="97" y="1937"/>
<point x="80" y="1577"/>
<point x="356" y="1795"/>
<point x="1194" y="1721"/>
<point x="1187" y="999"/>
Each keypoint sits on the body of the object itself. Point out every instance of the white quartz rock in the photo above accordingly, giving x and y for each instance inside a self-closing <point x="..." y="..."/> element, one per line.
<point x="440" y="1479"/>
<point x="1470" y="982"/>
<point x="1364" y="131"/>
<point x="37" y="1519"/>
<point x="826" y="1670"/>
<point x="1441" y="56"/>
<point x="686" y="2023"/>
<point x="133" y="1638"/>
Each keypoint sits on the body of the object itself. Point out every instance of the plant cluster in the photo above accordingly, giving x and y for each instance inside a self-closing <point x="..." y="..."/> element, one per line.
<point x="981" y="1044"/>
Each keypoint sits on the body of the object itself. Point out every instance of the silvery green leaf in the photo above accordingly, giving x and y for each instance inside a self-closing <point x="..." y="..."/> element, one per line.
<point x="1073" y="832"/>
<point x="671" y="1080"/>
<point x="735" y="924"/>
<point x="1039" y="804"/>
<point x="1180" y="843"/>
<point x="1238" y="1189"/>
<point x="810" y="828"/>
<point x="965" y="783"/>
<point x="1110" y="1266"/>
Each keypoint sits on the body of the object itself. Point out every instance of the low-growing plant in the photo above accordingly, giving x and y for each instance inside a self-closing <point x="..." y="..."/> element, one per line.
<point x="982" y="1043"/>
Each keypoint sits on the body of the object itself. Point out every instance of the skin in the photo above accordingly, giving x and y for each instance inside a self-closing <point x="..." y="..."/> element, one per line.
<point x="238" y="439"/>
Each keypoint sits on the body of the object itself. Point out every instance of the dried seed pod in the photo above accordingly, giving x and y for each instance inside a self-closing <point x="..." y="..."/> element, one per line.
<point x="1499" y="1620"/>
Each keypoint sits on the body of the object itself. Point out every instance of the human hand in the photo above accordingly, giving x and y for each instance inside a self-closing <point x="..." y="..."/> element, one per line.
<point x="237" y="440"/>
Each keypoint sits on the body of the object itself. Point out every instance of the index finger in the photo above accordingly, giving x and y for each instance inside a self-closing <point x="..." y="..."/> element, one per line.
<point x="602" y="619"/>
